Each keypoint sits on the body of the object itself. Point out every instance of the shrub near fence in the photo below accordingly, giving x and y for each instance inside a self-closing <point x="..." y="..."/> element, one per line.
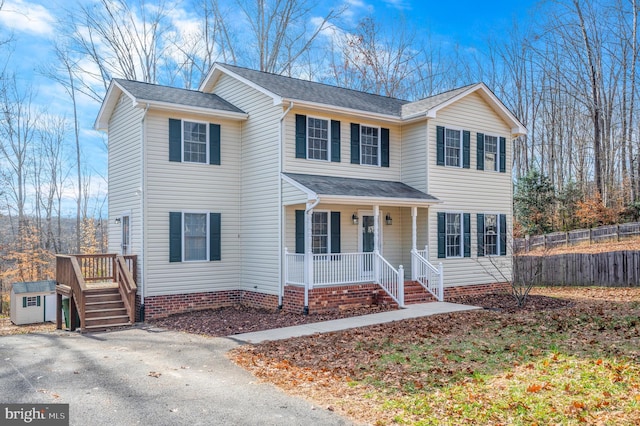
<point x="557" y="239"/>
<point x="611" y="269"/>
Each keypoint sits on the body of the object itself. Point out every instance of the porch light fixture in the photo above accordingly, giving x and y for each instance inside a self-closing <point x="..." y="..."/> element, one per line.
<point x="388" y="219"/>
<point x="354" y="219"/>
<point x="117" y="221"/>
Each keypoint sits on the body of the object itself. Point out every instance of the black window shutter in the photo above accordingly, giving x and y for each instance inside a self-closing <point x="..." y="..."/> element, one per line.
<point x="480" y="151"/>
<point x="215" y="236"/>
<point x="355" y="143"/>
<point x="503" y="235"/>
<point x="214" y="144"/>
<point x="480" y="234"/>
<point x="466" y="149"/>
<point x="440" y="145"/>
<point x="442" y="235"/>
<point x="299" y="231"/>
<point x="335" y="232"/>
<point x="467" y="234"/>
<point x="175" y="236"/>
<point x="503" y="155"/>
<point x="38" y="301"/>
<point x="301" y="136"/>
<point x="175" y="140"/>
<point x="384" y="147"/>
<point x="24" y="302"/>
<point x="335" y="141"/>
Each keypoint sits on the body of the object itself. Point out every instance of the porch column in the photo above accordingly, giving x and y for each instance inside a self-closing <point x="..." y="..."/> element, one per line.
<point x="414" y="243"/>
<point x="308" y="251"/>
<point x="376" y="243"/>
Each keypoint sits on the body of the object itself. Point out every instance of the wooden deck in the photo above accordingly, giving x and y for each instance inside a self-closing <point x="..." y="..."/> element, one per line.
<point x="101" y="290"/>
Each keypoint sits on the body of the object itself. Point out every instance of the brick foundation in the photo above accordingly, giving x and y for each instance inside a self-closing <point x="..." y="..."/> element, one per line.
<point x="163" y="306"/>
<point x="330" y="299"/>
<point x="470" y="290"/>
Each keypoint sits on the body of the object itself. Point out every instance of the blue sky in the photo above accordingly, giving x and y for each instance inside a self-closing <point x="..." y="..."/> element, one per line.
<point x="31" y="25"/>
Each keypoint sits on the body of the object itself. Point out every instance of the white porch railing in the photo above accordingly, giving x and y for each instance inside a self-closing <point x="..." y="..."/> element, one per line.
<point x="430" y="277"/>
<point x="344" y="269"/>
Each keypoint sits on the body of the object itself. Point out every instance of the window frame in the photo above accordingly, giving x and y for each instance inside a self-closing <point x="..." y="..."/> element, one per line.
<point x="32" y="301"/>
<point x="206" y="141"/>
<point x="328" y="140"/>
<point x="496" y="163"/>
<point x="379" y="145"/>
<point x="327" y="236"/>
<point x="460" y="234"/>
<point x="497" y="235"/>
<point x="207" y="235"/>
<point x="460" y="147"/>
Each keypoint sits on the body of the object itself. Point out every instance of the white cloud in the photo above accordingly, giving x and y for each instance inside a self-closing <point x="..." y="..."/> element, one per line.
<point x="22" y="16"/>
<point x="398" y="4"/>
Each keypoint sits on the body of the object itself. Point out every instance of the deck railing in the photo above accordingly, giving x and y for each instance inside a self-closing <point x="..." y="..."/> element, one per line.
<point x="428" y="275"/>
<point x="344" y="269"/>
<point x="77" y="271"/>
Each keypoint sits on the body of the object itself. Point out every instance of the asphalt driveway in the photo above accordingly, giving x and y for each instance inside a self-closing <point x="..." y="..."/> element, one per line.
<point x="145" y="376"/>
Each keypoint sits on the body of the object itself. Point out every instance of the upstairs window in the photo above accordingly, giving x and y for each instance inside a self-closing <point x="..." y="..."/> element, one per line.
<point x="194" y="142"/>
<point x="369" y="145"/>
<point x="491" y="153"/>
<point x="317" y="139"/>
<point x="452" y="147"/>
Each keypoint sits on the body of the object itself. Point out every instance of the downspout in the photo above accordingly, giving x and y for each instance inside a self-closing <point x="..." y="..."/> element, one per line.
<point x="143" y="184"/>
<point x="280" y="206"/>
<point x="308" y="258"/>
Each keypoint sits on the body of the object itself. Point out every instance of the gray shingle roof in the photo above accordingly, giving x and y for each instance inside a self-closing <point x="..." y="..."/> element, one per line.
<point x="34" y="287"/>
<point x="330" y="185"/>
<point x="157" y="93"/>
<point x="309" y="91"/>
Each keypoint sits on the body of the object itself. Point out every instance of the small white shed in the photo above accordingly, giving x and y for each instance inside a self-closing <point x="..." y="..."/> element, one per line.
<point x="33" y="302"/>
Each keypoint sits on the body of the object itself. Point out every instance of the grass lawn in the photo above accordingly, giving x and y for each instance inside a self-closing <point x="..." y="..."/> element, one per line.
<point x="579" y="364"/>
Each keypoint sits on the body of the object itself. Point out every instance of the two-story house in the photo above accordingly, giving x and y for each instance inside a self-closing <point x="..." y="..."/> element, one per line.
<point x="275" y="191"/>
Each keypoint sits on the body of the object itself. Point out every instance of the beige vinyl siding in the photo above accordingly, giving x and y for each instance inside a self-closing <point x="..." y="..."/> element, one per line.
<point x="125" y="175"/>
<point x="260" y="185"/>
<point x="177" y="186"/>
<point x="414" y="155"/>
<point x="292" y="195"/>
<point x="344" y="168"/>
<point x="470" y="190"/>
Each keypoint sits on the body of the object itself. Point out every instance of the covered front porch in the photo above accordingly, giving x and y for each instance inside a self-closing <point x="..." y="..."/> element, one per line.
<point x="346" y="232"/>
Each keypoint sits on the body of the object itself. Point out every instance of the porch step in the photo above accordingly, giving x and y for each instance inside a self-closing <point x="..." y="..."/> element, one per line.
<point x="110" y="321"/>
<point x="109" y="312"/>
<point x="414" y="293"/>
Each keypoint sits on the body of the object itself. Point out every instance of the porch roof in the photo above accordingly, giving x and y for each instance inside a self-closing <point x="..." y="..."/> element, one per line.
<point x="341" y="190"/>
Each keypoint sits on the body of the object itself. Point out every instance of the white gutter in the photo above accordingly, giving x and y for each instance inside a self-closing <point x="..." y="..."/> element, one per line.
<point x="281" y="207"/>
<point x="143" y="184"/>
<point x="168" y="106"/>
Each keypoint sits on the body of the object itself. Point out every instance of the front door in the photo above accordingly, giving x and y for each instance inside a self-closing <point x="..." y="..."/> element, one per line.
<point x="126" y="234"/>
<point x="367" y="242"/>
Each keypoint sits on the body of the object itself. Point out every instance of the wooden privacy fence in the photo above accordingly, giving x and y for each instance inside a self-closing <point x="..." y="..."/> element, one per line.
<point x="611" y="269"/>
<point x="557" y="239"/>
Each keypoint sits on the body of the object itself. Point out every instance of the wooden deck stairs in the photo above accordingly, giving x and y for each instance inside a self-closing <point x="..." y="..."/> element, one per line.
<point x="100" y="288"/>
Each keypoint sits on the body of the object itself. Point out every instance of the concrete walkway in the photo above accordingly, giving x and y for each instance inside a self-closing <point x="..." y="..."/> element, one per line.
<point x="411" y="311"/>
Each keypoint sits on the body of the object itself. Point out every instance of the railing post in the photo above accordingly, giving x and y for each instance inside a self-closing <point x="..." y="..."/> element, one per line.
<point x="440" y="282"/>
<point x="376" y="266"/>
<point x="426" y="252"/>
<point x="414" y="265"/>
<point x="401" y="286"/>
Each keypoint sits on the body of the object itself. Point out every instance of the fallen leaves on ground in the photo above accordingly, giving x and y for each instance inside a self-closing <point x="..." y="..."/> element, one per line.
<point x="8" y="328"/>
<point x="571" y="355"/>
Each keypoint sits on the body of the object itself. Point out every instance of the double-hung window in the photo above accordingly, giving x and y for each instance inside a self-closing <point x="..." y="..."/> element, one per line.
<point x="320" y="233"/>
<point x="453" y="234"/>
<point x="317" y="139"/>
<point x="370" y="145"/>
<point x="195" y="236"/>
<point x="491" y="153"/>
<point x="491" y="233"/>
<point x="194" y="142"/>
<point x="453" y="147"/>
